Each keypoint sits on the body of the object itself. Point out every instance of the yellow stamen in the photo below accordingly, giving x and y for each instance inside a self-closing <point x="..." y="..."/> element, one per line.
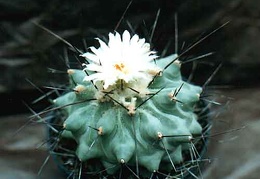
<point x="121" y="67"/>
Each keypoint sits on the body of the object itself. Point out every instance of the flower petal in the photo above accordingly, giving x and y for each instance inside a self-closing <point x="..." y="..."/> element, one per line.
<point x="94" y="67"/>
<point x="91" y="77"/>
<point x="126" y="37"/>
<point x="90" y="56"/>
<point x="103" y="45"/>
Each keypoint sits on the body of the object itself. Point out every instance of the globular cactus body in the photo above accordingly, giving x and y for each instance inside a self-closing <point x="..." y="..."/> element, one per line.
<point x="146" y="120"/>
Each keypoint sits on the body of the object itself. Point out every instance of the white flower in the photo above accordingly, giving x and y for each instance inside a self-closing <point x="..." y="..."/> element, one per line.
<point x="128" y="59"/>
<point x="121" y="69"/>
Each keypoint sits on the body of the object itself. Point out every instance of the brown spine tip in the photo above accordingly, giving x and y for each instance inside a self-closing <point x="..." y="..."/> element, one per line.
<point x="159" y="135"/>
<point x="100" y="131"/>
<point x="131" y="107"/>
<point x="172" y="96"/>
<point x="198" y="95"/>
<point x="70" y="71"/>
<point x="122" y="161"/>
<point x="155" y="72"/>
<point x="79" y="88"/>
<point x="177" y="62"/>
<point x="131" y="110"/>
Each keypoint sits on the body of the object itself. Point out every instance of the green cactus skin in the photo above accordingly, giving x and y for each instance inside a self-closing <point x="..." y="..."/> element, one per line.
<point x="153" y="136"/>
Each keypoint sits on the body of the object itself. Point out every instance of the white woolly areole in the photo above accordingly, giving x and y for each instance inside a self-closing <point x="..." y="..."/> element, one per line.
<point x="123" y="60"/>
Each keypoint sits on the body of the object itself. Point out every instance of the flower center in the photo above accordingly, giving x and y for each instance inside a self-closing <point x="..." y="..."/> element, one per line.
<point x="121" y="67"/>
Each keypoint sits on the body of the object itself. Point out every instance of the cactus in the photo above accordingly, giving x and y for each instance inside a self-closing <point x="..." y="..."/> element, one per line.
<point x="129" y="113"/>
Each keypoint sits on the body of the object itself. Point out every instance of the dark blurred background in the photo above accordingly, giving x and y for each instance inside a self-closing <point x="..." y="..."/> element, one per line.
<point x="29" y="55"/>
